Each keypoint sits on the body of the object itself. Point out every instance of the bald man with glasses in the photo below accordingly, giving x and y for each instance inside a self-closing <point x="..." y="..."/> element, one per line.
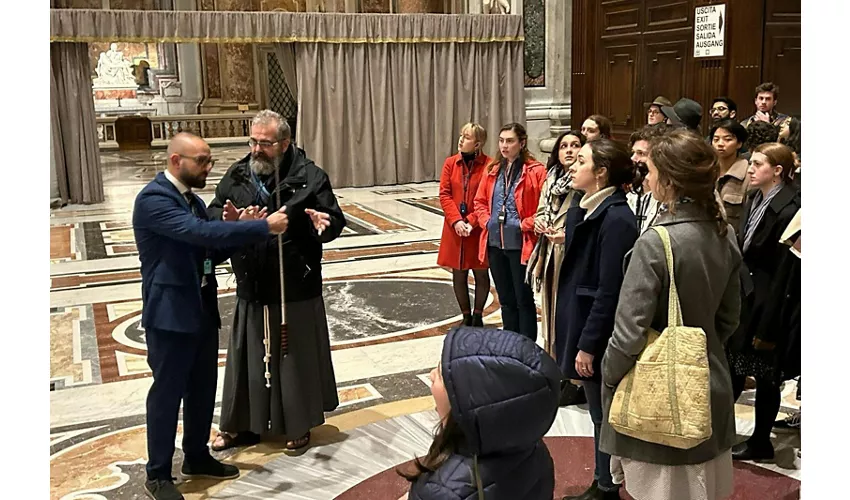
<point x="179" y="247"/>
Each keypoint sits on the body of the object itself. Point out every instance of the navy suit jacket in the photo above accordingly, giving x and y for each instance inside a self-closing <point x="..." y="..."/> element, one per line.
<point x="173" y="244"/>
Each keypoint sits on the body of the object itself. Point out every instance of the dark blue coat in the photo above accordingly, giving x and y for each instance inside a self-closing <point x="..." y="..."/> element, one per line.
<point x="173" y="244"/>
<point x="590" y="281"/>
<point x="504" y="394"/>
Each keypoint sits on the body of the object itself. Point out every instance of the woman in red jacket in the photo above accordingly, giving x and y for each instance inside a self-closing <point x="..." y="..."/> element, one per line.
<point x="461" y="231"/>
<point x="505" y="205"/>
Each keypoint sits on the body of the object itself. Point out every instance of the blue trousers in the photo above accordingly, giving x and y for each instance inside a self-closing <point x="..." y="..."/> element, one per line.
<point x="602" y="473"/>
<point x="185" y="368"/>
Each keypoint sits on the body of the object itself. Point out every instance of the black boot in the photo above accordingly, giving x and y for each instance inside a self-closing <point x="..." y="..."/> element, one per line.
<point x="589" y="494"/>
<point x="477" y="320"/>
<point x="467" y="320"/>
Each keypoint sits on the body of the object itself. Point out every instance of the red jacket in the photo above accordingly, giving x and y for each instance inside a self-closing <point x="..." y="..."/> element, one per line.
<point x="527" y="197"/>
<point x="456" y="252"/>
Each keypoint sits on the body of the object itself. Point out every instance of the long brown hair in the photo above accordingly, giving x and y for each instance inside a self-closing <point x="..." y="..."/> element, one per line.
<point x="688" y="167"/>
<point x="448" y="439"/>
<point x="522" y="136"/>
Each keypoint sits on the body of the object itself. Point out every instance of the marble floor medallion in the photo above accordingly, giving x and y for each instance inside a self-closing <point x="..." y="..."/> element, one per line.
<point x="372" y="309"/>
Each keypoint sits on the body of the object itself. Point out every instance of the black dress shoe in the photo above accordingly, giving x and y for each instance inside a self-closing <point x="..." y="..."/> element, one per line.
<point x="467" y="320"/>
<point x="748" y="451"/>
<point x="477" y="320"/>
<point x="162" y="489"/>
<point x="571" y="394"/>
<point x="589" y="494"/>
<point x="209" y="468"/>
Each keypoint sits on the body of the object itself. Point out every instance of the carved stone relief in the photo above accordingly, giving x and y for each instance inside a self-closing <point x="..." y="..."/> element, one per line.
<point x="496" y="6"/>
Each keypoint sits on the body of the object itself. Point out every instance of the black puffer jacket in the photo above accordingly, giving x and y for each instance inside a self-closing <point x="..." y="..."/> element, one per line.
<point x="304" y="185"/>
<point x="504" y="394"/>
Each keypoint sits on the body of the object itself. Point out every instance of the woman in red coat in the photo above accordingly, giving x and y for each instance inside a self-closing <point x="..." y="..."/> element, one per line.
<point x="461" y="232"/>
<point x="505" y="204"/>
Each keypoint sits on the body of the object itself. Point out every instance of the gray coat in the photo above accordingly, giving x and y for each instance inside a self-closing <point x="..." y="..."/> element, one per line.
<point x="706" y="268"/>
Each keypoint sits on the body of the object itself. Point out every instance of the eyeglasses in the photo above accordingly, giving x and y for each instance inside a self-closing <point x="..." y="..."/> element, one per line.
<point x="720" y="108"/>
<point x="653" y="111"/>
<point x="200" y="160"/>
<point x="263" y="144"/>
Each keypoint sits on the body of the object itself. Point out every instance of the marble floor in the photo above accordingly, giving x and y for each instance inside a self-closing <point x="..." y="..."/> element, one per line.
<point x="99" y="376"/>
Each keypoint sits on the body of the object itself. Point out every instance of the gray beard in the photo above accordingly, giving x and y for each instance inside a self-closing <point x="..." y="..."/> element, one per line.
<point x="262" y="167"/>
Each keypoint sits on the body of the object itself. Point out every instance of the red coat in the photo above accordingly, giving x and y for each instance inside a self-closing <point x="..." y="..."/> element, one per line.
<point x="456" y="252"/>
<point x="527" y="195"/>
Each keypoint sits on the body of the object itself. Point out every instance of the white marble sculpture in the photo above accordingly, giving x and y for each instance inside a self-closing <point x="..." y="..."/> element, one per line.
<point x="496" y="6"/>
<point x="113" y="70"/>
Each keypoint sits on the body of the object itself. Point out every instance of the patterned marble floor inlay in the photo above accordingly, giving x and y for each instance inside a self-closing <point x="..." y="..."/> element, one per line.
<point x="389" y="307"/>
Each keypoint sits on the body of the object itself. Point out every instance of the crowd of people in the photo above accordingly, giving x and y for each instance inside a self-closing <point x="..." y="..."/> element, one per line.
<point x="618" y="242"/>
<point x="615" y="240"/>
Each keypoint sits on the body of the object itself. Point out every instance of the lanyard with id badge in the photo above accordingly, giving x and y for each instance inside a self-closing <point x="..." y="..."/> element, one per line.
<point x="208" y="267"/>
<point x="503" y="213"/>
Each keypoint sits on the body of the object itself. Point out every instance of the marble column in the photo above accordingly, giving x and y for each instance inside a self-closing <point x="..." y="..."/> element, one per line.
<point x="184" y="96"/>
<point x="547" y="108"/>
<point x="229" y="75"/>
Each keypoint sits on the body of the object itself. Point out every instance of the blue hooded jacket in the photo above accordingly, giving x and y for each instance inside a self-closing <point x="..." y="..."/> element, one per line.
<point x="504" y="392"/>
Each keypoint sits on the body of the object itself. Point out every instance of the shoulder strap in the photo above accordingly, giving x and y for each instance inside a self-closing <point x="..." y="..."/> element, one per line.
<point x="674" y="308"/>
<point x="477" y="477"/>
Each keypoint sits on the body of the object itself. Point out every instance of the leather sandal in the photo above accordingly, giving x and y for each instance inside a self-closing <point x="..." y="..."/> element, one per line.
<point x="299" y="443"/>
<point x="241" y="439"/>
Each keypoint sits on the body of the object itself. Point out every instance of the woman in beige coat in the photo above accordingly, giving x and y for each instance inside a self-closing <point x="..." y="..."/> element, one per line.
<point x="544" y="265"/>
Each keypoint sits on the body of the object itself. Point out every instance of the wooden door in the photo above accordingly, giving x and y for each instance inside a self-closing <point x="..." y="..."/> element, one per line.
<point x="783" y="51"/>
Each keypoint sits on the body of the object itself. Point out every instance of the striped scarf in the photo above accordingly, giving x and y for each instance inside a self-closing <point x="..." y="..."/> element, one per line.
<point x="760" y="204"/>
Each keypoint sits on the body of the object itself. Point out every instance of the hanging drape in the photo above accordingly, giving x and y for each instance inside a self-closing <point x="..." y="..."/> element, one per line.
<point x="183" y="26"/>
<point x="381" y="98"/>
<point x="391" y="113"/>
<point x="73" y="126"/>
<point x="285" y="53"/>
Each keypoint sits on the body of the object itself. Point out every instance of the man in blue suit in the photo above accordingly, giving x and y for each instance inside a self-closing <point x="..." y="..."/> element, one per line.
<point x="179" y="249"/>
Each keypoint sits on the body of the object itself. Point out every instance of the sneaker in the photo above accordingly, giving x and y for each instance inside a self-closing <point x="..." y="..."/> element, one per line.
<point x="162" y="489"/>
<point x="208" y="468"/>
<point x="791" y="422"/>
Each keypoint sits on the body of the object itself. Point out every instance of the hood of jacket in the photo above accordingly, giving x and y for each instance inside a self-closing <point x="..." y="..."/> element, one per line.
<point x="503" y="389"/>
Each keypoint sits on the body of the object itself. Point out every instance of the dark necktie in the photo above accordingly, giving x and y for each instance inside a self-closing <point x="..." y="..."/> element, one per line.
<point x="193" y="204"/>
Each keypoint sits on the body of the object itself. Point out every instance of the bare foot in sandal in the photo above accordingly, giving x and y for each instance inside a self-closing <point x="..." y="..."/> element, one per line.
<point x="298" y="443"/>
<point x="227" y="440"/>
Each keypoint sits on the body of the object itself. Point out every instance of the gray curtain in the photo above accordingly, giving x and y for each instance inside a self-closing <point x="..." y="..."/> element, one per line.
<point x="77" y="25"/>
<point x="382" y="114"/>
<point x="285" y="53"/>
<point x="73" y="126"/>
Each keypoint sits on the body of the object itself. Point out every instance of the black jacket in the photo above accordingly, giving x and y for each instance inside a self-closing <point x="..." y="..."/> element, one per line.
<point x="591" y="277"/>
<point x="304" y="185"/>
<point x="770" y="280"/>
<point x="504" y="392"/>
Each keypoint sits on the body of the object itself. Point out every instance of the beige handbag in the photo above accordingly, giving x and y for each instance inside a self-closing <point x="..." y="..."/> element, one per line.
<point x="665" y="398"/>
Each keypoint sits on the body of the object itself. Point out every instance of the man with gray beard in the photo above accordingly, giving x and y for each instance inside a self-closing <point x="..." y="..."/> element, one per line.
<point x="269" y="391"/>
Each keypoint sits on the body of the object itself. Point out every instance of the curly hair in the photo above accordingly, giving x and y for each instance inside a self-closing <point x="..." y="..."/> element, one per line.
<point x="649" y="132"/>
<point x="688" y="168"/>
<point x="760" y="133"/>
